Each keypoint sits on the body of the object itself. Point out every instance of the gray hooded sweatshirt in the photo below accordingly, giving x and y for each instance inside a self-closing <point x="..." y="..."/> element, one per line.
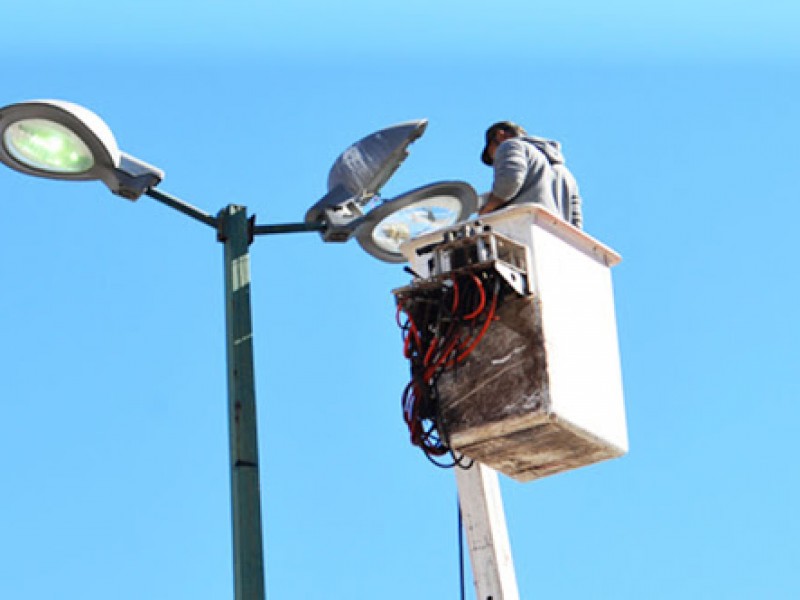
<point x="531" y="169"/>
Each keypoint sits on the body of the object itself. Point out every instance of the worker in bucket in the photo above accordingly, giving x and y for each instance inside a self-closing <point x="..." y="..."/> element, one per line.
<point x="529" y="169"/>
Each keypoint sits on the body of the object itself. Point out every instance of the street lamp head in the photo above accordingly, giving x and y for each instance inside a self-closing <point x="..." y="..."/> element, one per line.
<point x="364" y="167"/>
<point x="61" y="140"/>
<point x="57" y="140"/>
<point x="415" y="213"/>
<point x="357" y="176"/>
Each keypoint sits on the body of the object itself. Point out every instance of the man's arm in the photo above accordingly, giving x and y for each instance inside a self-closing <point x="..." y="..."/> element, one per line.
<point x="510" y="169"/>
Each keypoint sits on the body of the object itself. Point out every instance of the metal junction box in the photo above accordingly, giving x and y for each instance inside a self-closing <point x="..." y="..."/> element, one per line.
<point x="542" y="392"/>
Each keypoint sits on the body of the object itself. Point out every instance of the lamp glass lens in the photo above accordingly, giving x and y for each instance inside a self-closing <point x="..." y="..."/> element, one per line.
<point x="47" y="146"/>
<point x="414" y="220"/>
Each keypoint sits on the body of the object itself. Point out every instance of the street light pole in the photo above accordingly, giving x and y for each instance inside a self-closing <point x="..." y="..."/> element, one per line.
<point x="248" y="554"/>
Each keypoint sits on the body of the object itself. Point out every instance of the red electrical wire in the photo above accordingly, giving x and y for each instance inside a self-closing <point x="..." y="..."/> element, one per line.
<point x="429" y="353"/>
<point x="481" y="303"/>
<point x="484" y="329"/>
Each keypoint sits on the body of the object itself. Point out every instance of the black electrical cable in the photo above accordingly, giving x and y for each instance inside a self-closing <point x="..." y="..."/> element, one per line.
<point x="461" y="569"/>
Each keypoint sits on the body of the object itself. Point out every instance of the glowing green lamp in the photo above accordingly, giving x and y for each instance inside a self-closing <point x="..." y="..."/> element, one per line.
<point x="47" y="146"/>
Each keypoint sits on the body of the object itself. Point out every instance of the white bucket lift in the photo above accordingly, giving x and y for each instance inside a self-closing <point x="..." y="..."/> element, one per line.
<point x="542" y="391"/>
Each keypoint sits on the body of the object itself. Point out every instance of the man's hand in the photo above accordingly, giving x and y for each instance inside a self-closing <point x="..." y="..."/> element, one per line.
<point x="492" y="204"/>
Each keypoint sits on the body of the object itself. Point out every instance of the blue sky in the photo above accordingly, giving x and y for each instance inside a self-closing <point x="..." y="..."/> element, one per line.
<point x="680" y="121"/>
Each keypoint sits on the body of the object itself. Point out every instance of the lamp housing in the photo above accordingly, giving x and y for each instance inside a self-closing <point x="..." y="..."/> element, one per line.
<point x="56" y="139"/>
<point x="358" y="174"/>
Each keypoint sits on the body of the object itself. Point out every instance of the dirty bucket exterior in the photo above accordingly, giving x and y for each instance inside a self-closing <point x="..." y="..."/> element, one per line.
<point x="542" y="392"/>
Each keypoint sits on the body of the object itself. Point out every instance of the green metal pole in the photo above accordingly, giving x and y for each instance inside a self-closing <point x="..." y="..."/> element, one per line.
<point x="248" y="553"/>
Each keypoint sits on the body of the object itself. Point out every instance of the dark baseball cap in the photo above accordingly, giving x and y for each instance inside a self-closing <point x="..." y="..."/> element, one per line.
<point x="492" y="131"/>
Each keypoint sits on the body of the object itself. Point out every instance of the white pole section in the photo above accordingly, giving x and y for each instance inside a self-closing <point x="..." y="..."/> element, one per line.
<point x="487" y="534"/>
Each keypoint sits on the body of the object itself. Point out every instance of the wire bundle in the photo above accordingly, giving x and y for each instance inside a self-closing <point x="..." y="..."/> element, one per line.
<point x="443" y="325"/>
